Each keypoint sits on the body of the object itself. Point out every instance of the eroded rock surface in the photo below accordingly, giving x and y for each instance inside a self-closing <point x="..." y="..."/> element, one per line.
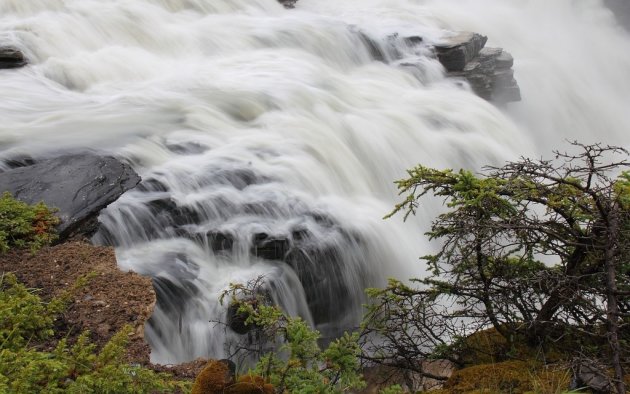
<point x="79" y="186"/>
<point x="456" y="51"/>
<point x="491" y="76"/>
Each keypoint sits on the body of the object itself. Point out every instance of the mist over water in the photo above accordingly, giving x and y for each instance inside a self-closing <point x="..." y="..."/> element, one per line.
<point x="268" y="139"/>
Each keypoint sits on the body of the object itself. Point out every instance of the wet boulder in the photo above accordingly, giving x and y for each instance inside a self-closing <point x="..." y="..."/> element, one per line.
<point x="220" y="242"/>
<point x="78" y="185"/>
<point x="270" y="248"/>
<point x="11" y="57"/>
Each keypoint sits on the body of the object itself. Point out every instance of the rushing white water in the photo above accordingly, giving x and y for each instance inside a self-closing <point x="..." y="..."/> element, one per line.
<point x="255" y="125"/>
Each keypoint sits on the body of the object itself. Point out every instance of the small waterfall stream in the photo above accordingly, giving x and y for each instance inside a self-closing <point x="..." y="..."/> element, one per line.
<point x="268" y="139"/>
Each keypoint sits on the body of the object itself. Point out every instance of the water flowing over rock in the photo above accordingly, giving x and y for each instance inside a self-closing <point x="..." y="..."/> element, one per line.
<point x="11" y="57"/>
<point x="268" y="139"/>
<point x="288" y="3"/>
<point x="79" y="186"/>
<point x="487" y="70"/>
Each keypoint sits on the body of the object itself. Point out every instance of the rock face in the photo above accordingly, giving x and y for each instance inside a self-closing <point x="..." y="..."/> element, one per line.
<point x="456" y="51"/>
<point x="488" y="70"/>
<point x="11" y="57"/>
<point x="80" y="186"/>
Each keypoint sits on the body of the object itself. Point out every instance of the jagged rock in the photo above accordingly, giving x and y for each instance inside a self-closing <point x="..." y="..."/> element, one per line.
<point x="588" y="373"/>
<point x="79" y="185"/>
<point x="456" y="51"/>
<point x="490" y="75"/>
<point x="487" y="70"/>
<point x="11" y="57"/>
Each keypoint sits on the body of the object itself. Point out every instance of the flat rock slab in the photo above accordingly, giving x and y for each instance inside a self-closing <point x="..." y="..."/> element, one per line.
<point x="11" y="57"/>
<point x="79" y="185"/>
<point x="455" y="51"/>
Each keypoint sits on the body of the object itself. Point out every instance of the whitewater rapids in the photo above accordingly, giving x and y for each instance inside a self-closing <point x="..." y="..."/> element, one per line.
<point x="252" y="121"/>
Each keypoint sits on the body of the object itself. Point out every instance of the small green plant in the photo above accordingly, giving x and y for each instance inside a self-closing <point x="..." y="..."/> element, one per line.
<point x="395" y="389"/>
<point x="295" y="363"/>
<point x="25" y="226"/>
<point x="26" y="321"/>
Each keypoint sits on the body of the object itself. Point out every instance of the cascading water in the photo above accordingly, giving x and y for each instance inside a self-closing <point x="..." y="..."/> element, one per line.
<point x="268" y="139"/>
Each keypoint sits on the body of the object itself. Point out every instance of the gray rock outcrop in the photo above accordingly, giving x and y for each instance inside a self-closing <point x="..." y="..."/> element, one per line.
<point x="487" y="70"/>
<point x="463" y="55"/>
<point x="78" y="185"/>
<point x="457" y="51"/>
<point x="11" y="57"/>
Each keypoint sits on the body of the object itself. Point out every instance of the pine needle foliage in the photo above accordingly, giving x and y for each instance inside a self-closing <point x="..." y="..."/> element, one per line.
<point x="290" y="357"/>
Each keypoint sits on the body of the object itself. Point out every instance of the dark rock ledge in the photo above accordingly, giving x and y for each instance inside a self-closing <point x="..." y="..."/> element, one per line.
<point x="79" y="185"/>
<point x="463" y="55"/>
<point x="488" y="70"/>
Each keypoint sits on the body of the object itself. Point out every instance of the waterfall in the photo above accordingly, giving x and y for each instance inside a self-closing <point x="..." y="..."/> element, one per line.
<point x="268" y="139"/>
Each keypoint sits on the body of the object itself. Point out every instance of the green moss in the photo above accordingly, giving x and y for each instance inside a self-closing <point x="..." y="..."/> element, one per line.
<point x="516" y="377"/>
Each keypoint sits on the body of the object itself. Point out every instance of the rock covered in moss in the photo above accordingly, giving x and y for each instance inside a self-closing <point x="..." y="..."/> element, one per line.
<point x="218" y="377"/>
<point x="215" y="377"/>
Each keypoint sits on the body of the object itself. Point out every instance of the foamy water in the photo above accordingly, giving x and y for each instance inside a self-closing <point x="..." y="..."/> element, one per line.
<point x="248" y="120"/>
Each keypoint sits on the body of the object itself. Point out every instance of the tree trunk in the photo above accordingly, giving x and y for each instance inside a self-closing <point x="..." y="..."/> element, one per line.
<point x="612" y="308"/>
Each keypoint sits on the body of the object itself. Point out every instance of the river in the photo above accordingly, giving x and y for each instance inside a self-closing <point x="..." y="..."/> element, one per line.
<point x="269" y="139"/>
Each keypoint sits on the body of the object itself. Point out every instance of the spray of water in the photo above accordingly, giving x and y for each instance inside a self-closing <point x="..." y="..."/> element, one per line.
<point x="268" y="139"/>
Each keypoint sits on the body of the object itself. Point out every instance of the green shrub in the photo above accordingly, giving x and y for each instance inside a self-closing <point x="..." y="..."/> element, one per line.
<point x="26" y="321"/>
<point x="295" y="363"/>
<point x="25" y="226"/>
